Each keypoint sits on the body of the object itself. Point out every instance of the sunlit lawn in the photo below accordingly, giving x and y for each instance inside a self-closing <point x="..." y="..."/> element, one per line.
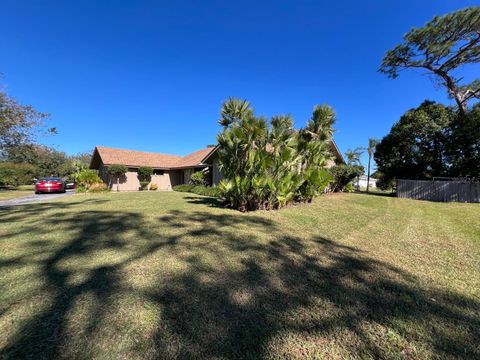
<point x="172" y="275"/>
<point x="13" y="194"/>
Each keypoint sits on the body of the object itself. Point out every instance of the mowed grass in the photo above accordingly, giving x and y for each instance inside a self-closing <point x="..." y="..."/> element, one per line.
<point x="13" y="194"/>
<point x="173" y="275"/>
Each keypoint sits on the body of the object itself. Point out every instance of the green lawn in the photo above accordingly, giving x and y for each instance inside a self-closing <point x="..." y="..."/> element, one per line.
<point x="172" y="275"/>
<point x="13" y="194"/>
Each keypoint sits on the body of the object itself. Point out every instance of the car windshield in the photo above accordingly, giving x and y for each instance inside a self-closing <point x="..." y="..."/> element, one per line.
<point x="50" y="179"/>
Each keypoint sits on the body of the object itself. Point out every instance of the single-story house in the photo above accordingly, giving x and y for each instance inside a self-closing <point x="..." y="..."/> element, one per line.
<point x="168" y="170"/>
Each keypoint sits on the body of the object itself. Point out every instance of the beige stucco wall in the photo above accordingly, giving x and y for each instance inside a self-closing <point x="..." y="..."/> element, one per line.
<point x="131" y="182"/>
<point x="167" y="180"/>
<point x="128" y="183"/>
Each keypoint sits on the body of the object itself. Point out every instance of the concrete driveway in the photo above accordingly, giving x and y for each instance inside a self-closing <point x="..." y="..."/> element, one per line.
<point x="34" y="198"/>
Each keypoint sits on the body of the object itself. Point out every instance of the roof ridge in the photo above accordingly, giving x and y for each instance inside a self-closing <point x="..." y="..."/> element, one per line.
<point x="139" y="151"/>
<point x="197" y="160"/>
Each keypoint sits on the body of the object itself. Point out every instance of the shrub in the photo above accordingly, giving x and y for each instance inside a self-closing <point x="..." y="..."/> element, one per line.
<point x="206" y="190"/>
<point x="144" y="173"/>
<point x="144" y="185"/>
<point x="118" y="171"/>
<point x="198" y="178"/>
<point x="349" y="188"/>
<point x="92" y="188"/>
<point x="81" y="188"/>
<point x="13" y="174"/>
<point x="78" y="167"/>
<point x="87" y="177"/>
<point x="343" y="175"/>
<point x="144" y="176"/>
<point x="153" y="187"/>
<point x="183" y="188"/>
<point x="98" y="187"/>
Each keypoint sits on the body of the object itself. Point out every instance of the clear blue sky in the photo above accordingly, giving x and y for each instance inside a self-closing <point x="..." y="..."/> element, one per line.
<point x="151" y="75"/>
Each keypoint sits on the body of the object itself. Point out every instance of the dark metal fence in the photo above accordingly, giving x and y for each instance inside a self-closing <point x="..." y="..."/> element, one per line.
<point x="439" y="190"/>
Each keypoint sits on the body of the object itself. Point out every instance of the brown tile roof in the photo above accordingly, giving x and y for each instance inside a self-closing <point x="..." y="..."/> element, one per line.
<point x="194" y="158"/>
<point x="135" y="158"/>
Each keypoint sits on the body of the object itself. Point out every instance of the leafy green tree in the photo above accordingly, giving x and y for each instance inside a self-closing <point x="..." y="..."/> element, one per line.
<point x="118" y="171"/>
<point x="383" y="182"/>
<point x="417" y="145"/>
<point x="12" y="174"/>
<point x="144" y="176"/>
<point x="343" y="175"/>
<point x="83" y="157"/>
<point x="441" y="47"/>
<point x="463" y="147"/>
<point x="48" y="161"/>
<point x="19" y="124"/>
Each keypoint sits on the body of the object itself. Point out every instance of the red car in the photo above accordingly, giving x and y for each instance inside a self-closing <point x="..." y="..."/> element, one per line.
<point x="49" y="185"/>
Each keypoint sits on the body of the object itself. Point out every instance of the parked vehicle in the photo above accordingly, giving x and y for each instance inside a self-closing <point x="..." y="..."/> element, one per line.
<point x="70" y="184"/>
<point x="49" y="185"/>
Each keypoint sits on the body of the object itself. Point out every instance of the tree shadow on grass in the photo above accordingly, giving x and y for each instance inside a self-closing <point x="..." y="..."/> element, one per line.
<point x="281" y="293"/>
<point x="205" y="200"/>
<point x="35" y="214"/>
<point x="247" y="290"/>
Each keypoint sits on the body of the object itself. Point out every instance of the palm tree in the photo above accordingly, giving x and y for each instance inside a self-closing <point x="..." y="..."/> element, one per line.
<point x="269" y="164"/>
<point x="353" y="159"/>
<point x="353" y="156"/>
<point x="372" y="144"/>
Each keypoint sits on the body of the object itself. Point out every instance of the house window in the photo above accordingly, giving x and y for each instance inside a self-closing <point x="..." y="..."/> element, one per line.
<point x="158" y="172"/>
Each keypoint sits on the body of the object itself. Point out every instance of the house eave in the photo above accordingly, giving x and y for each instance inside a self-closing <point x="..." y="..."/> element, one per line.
<point x="189" y="167"/>
<point x="339" y="154"/>
<point x="139" y="166"/>
<point x="161" y="167"/>
<point x="210" y="154"/>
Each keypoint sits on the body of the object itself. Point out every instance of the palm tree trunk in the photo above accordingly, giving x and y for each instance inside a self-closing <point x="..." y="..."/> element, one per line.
<point x="368" y="173"/>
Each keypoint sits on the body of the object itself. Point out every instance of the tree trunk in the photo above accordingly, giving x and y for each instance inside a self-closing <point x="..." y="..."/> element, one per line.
<point x="462" y="104"/>
<point x="368" y="173"/>
<point x="118" y="183"/>
<point x="457" y="94"/>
